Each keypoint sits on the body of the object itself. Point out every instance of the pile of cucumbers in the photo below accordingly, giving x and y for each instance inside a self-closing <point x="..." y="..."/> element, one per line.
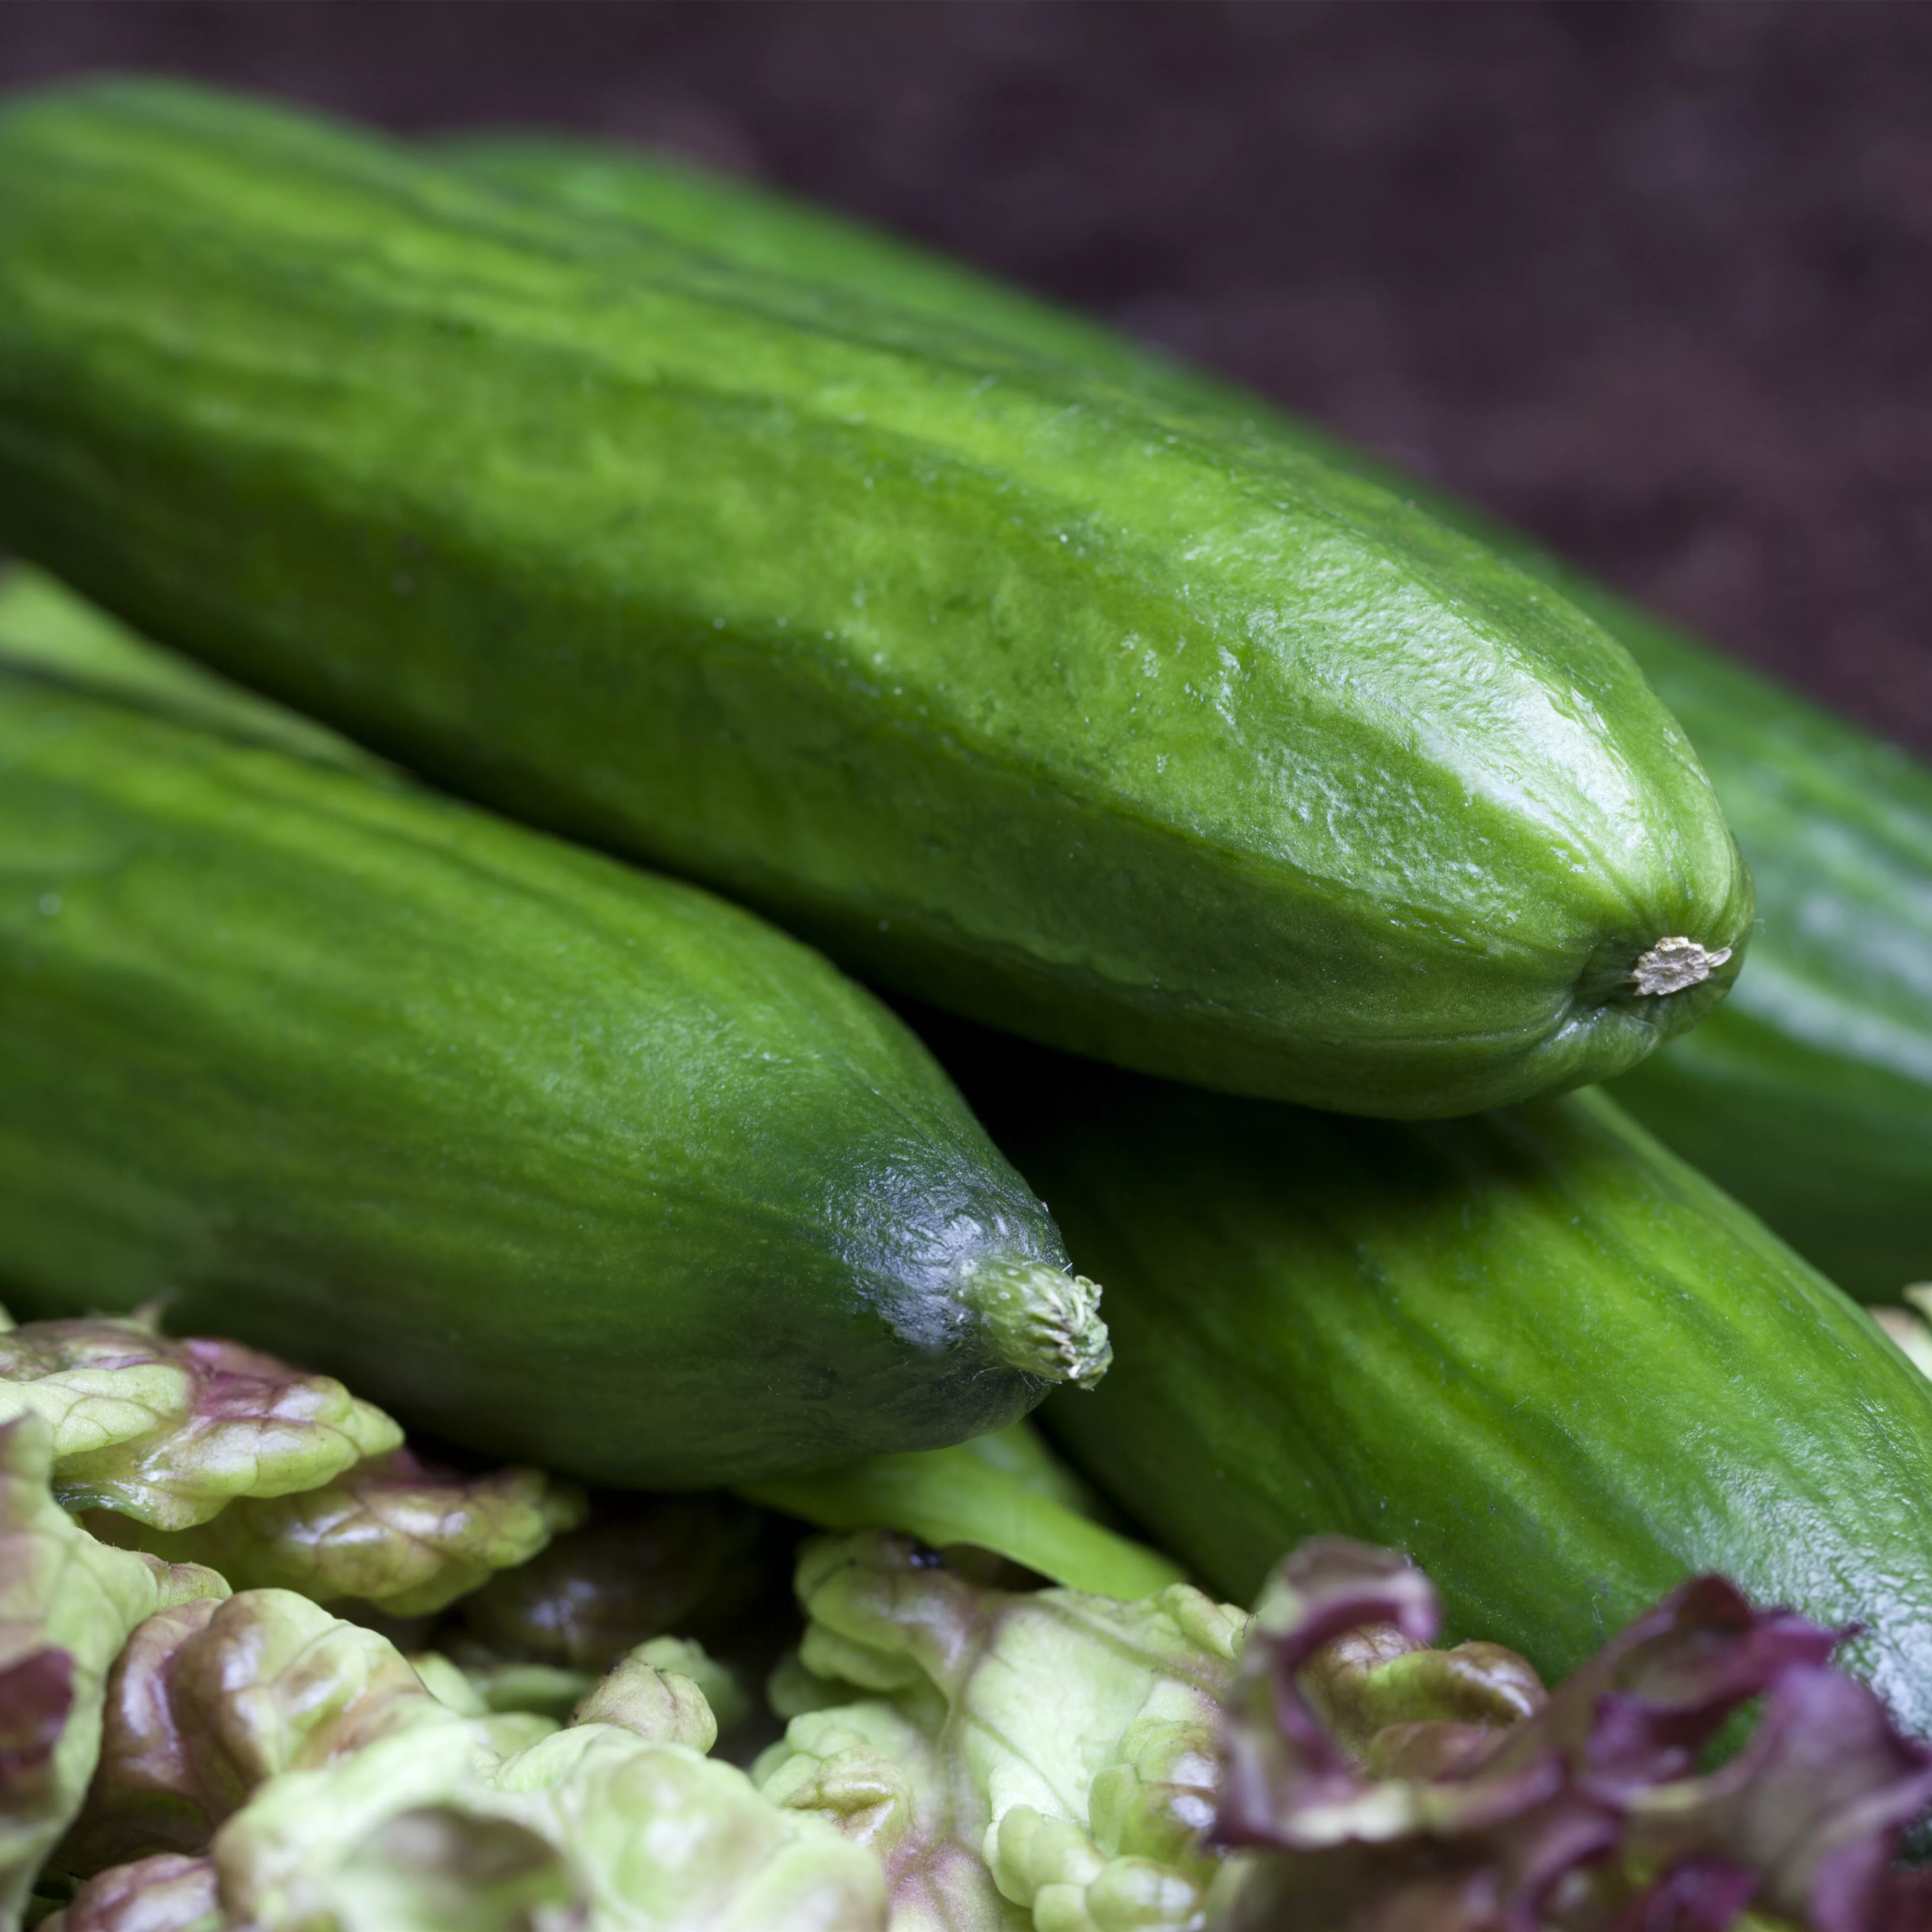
<point x="569" y="613"/>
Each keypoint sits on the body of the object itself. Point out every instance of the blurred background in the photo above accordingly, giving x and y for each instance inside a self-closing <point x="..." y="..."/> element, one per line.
<point x="1652" y="280"/>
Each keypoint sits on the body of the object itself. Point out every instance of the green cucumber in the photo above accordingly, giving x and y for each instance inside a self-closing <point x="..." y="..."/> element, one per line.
<point x="737" y="221"/>
<point x="1808" y="1094"/>
<point x="966" y="662"/>
<point x="556" y="1159"/>
<point x="1533" y="1349"/>
<point x="1812" y="1100"/>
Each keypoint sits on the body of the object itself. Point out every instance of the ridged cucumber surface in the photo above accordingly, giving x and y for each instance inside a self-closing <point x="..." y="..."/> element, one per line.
<point x="1534" y="1349"/>
<point x="1811" y="1101"/>
<point x="1013" y="691"/>
<point x="1808" y="1094"/>
<point x="556" y="1159"/>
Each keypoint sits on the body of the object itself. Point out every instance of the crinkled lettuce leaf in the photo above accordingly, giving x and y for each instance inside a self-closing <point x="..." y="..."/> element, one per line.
<point x="439" y="1828"/>
<point x="1044" y="1758"/>
<point x="473" y="1690"/>
<point x="663" y="1705"/>
<point x="169" y="1433"/>
<point x="394" y="1531"/>
<point x="165" y="1893"/>
<point x="1006" y="1492"/>
<point x="68" y="1604"/>
<point x="1388" y="1786"/>
<point x="267" y="1765"/>
<point x="209" y="1700"/>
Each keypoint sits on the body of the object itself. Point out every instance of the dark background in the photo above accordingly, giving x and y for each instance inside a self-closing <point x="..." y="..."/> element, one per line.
<point x="1655" y="280"/>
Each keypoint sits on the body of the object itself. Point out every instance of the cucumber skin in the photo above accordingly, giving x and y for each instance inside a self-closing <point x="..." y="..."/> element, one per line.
<point x="560" y="1161"/>
<point x="827" y="604"/>
<point x="1808" y="1093"/>
<point x="1811" y="1101"/>
<point x="1533" y="1349"/>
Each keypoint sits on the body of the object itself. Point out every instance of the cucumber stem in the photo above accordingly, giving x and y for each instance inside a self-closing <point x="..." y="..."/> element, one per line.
<point x="1672" y="965"/>
<point x="1038" y="1319"/>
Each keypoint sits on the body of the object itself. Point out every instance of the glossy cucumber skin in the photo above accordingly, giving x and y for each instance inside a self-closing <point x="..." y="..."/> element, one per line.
<point x="558" y="1160"/>
<point x="959" y="660"/>
<point x="1812" y="1100"/>
<point x="1534" y="1349"/>
<point x="1808" y="1093"/>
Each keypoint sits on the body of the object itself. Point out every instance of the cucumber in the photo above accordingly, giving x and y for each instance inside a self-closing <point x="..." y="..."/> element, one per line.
<point x="1533" y="1349"/>
<point x="737" y="221"/>
<point x="1808" y="1094"/>
<point x="556" y="1159"/>
<point x="1812" y="1100"/>
<point x="962" y="661"/>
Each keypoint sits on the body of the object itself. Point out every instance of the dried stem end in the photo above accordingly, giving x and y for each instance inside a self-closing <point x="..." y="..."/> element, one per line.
<point x="1672" y="965"/>
<point x="1035" y="1318"/>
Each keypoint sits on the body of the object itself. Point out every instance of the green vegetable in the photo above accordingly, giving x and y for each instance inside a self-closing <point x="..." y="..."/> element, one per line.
<point x="1534" y="1351"/>
<point x="202" y="1451"/>
<point x="1808" y="1095"/>
<point x="45" y="628"/>
<point x="736" y="221"/>
<point x="1812" y="1101"/>
<point x="208" y="1701"/>
<point x="659" y="1703"/>
<point x="66" y="1605"/>
<point x="558" y="1160"/>
<point x="1004" y="1492"/>
<point x="301" y="1774"/>
<point x="1014" y="688"/>
<point x="170" y="1433"/>
<point x="1045" y="1750"/>
<point x="403" y="1537"/>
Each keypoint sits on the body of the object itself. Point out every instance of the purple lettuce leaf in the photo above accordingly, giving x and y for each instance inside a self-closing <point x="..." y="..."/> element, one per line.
<point x="1382" y="1786"/>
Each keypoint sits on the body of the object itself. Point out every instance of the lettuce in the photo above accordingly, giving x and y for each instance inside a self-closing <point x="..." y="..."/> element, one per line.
<point x="269" y="1766"/>
<point x="167" y="1433"/>
<point x="394" y="1531"/>
<point x="68" y="1604"/>
<point x="438" y="1828"/>
<point x="209" y="1700"/>
<point x="1387" y="1786"/>
<point x="1043" y="1757"/>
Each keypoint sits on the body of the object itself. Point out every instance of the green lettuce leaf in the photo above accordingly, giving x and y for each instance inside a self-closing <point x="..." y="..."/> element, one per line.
<point x="426" y="1811"/>
<point x="168" y="1433"/>
<point x="165" y="1893"/>
<point x="475" y="1690"/>
<point x="1044" y="1757"/>
<point x="439" y="1829"/>
<point x="1006" y="1492"/>
<point x="664" y="1705"/>
<point x="208" y="1700"/>
<point x="68" y="1604"/>
<point x="394" y="1532"/>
